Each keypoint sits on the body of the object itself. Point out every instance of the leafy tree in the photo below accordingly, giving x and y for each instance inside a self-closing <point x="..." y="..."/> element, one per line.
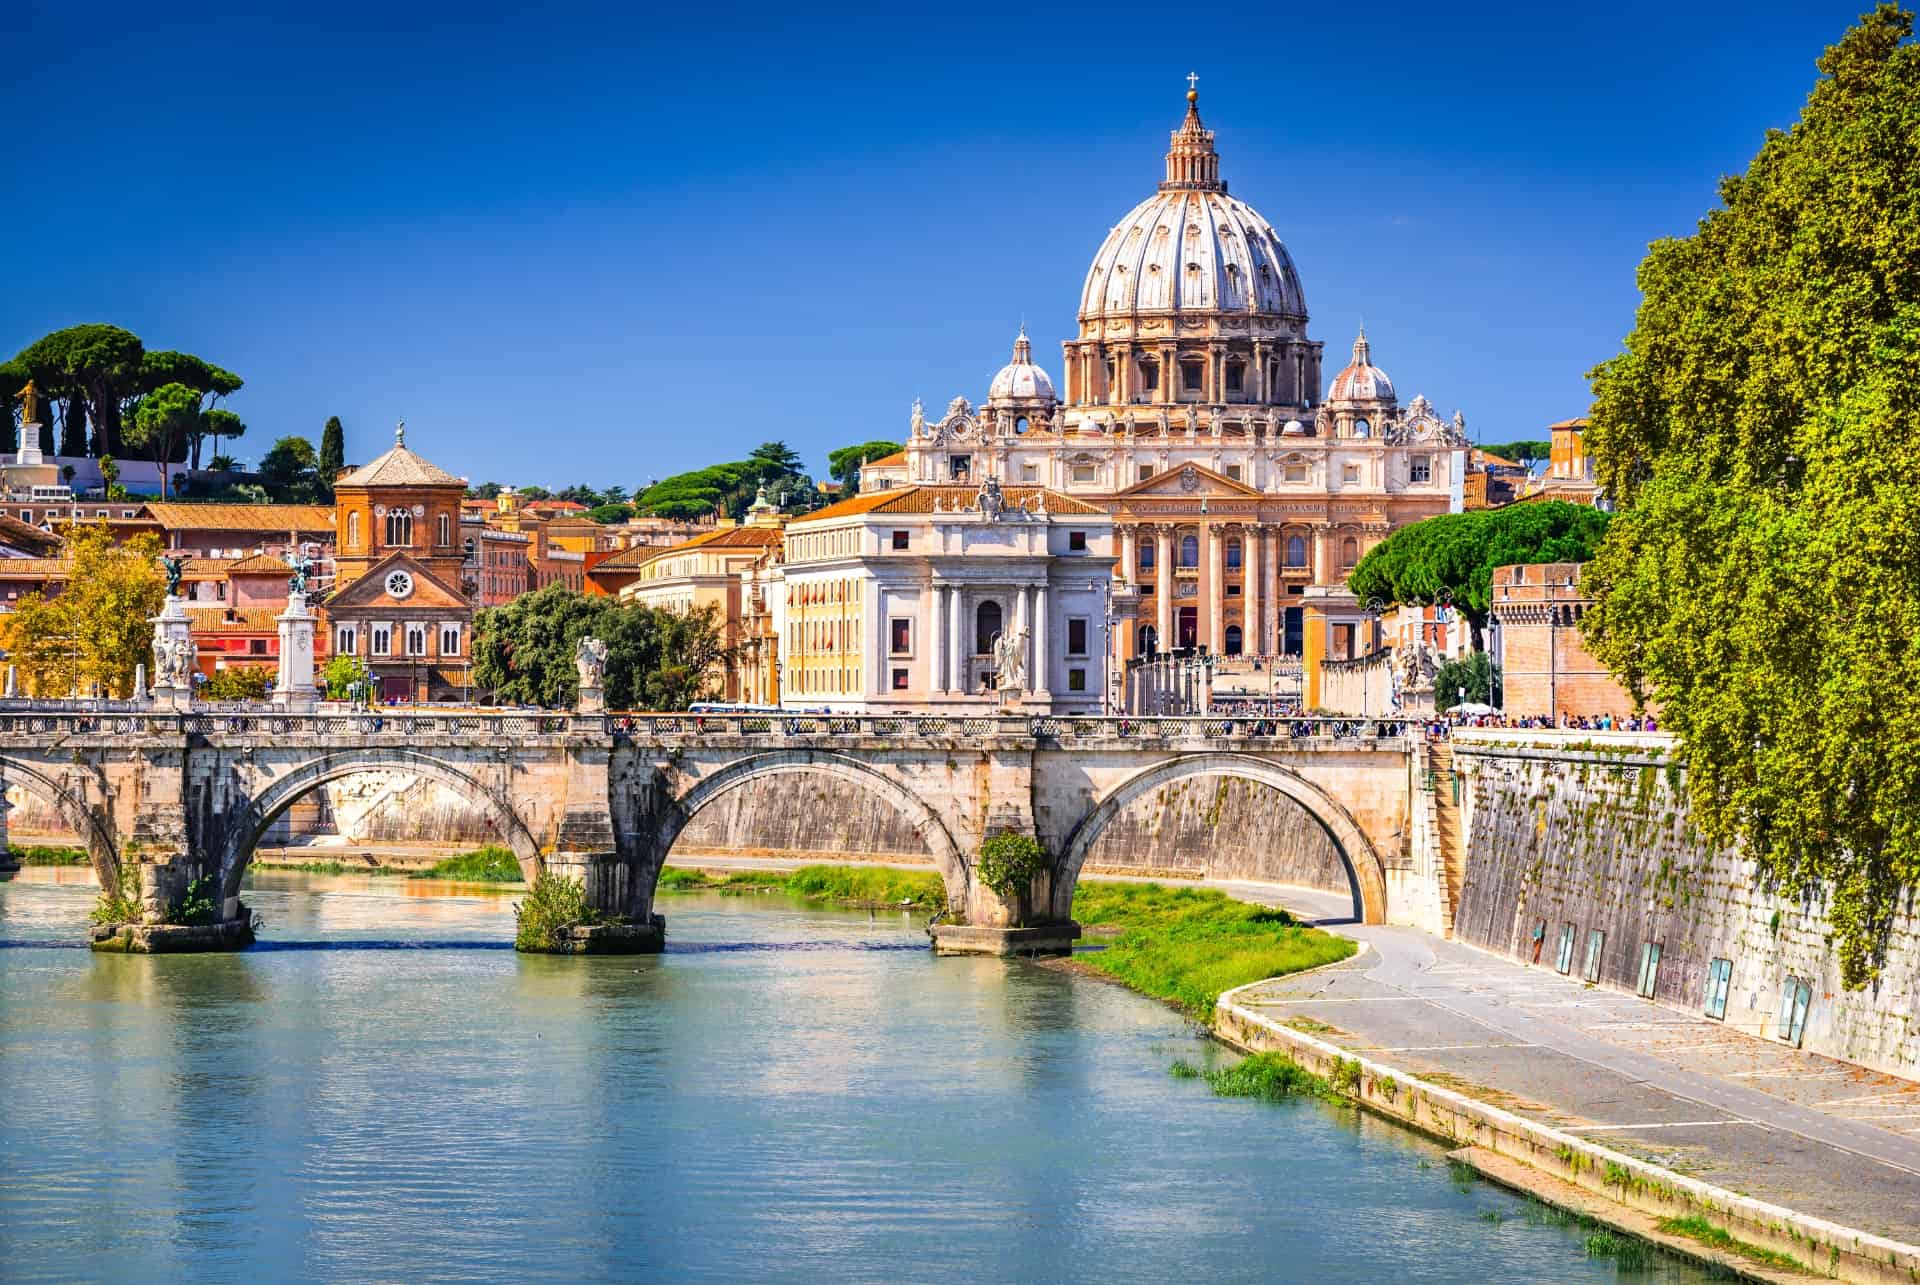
<point x="344" y="676"/>
<point x="73" y="438"/>
<point x="216" y="424"/>
<point x="290" y="471"/>
<point x="110" y="478"/>
<point x="96" y="630"/>
<point x="333" y="454"/>
<point x="1762" y="578"/>
<point x="484" y="491"/>
<point x="535" y="493"/>
<point x="1452" y="556"/>
<point x="523" y="652"/>
<point x="608" y="514"/>
<point x="161" y="424"/>
<point x="844" y="464"/>
<point x="1474" y="672"/>
<point x="93" y="366"/>
<point x="1525" y="452"/>
<point x="774" y="459"/>
<point x="239" y="683"/>
<point x="210" y="382"/>
<point x="13" y="377"/>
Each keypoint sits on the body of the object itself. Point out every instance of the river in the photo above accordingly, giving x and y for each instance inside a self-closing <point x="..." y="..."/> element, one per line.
<point x="382" y="1091"/>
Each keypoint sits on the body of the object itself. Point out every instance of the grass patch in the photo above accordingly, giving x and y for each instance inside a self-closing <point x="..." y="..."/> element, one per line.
<point x="876" y="886"/>
<point x="1628" y="1254"/>
<point x="1187" y="945"/>
<point x="1270" y="1077"/>
<point x="1694" y="1227"/>
<point x="324" y="868"/>
<point x="33" y="855"/>
<point x="491" y="864"/>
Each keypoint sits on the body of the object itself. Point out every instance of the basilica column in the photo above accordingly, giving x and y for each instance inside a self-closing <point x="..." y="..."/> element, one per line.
<point x="1128" y="560"/>
<point x="1250" y="603"/>
<point x="1214" y="555"/>
<point x="937" y="657"/>
<point x="1042" y="656"/>
<point x="1163" y="562"/>
<point x="1323" y="555"/>
<point x="957" y="647"/>
<point x="1275" y="603"/>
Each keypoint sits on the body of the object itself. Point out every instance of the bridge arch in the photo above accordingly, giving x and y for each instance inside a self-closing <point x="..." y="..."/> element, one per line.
<point x="244" y="831"/>
<point x="86" y="822"/>
<point x="948" y="859"/>
<point x="1366" y="873"/>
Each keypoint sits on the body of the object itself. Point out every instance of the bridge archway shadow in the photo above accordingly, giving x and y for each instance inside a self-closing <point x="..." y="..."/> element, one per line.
<point x="1364" y="870"/>
<point x="94" y="831"/>
<point x="796" y="765"/>
<point x="244" y="832"/>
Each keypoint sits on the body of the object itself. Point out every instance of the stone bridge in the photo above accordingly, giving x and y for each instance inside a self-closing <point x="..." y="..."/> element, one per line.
<point x="168" y="801"/>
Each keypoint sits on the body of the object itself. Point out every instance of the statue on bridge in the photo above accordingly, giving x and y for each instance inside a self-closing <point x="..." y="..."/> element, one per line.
<point x="173" y="568"/>
<point x="173" y="659"/>
<point x="302" y="567"/>
<point x="590" y="657"/>
<point x="1010" y="659"/>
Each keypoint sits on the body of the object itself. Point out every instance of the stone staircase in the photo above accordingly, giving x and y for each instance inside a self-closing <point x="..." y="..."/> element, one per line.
<point x="1453" y="854"/>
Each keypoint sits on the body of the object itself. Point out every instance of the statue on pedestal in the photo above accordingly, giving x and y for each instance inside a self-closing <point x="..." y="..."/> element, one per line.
<point x="302" y="567"/>
<point x="590" y="659"/>
<point x="173" y="566"/>
<point x="1010" y="659"/>
<point x="30" y="404"/>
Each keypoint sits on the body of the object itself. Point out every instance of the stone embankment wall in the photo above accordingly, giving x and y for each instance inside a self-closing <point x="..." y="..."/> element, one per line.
<point x="1582" y="829"/>
<point x="1218" y="827"/>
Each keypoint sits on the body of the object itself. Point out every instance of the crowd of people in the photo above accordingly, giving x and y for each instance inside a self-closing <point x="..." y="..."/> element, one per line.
<point x="1444" y="725"/>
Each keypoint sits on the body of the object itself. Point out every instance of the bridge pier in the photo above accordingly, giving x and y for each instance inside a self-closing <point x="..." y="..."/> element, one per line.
<point x="169" y="886"/>
<point x="612" y="886"/>
<point x="1021" y="923"/>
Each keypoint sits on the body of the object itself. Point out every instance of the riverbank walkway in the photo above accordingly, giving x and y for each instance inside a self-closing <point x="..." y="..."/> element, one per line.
<point x="1813" y="1134"/>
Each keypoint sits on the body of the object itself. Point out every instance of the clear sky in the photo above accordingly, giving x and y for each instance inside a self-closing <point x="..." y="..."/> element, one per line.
<point x="604" y="245"/>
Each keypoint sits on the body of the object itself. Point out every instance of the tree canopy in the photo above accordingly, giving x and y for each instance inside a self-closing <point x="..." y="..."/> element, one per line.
<point x="732" y="487"/>
<point x="523" y="652"/>
<point x="290" y="471"/>
<point x="96" y="630"/>
<point x="161" y="422"/>
<point x="1762" y="579"/>
<point x="1522" y="452"/>
<point x="100" y="374"/>
<point x="333" y="456"/>
<point x="843" y="465"/>
<point x="1451" y="557"/>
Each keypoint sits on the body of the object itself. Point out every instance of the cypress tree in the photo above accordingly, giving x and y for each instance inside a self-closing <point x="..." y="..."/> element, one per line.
<point x="333" y="453"/>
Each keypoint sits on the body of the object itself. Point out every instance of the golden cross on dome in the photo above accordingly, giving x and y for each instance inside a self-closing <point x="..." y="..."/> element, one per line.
<point x="1193" y="80"/>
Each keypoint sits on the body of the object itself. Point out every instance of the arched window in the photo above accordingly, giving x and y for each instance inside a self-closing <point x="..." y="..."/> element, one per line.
<point x="1189" y="550"/>
<point x="353" y="530"/>
<point x="1349" y="552"/>
<point x="1146" y="554"/>
<point x="446" y="530"/>
<point x="1146" y="640"/>
<point x="1296" y="551"/>
<point x="986" y="627"/>
<point x="1361" y="428"/>
<point x="1020" y="424"/>
<point x="1233" y="555"/>
<point x="399" y="528"/>
<point x="1233" y="640"/>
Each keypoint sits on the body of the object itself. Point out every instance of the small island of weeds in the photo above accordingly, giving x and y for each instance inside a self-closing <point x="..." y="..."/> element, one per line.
<point x="1187" y="945"/>
<point x="35" y="855"/>
<point x="491" y="864"/>
<point x="876" y="887"/>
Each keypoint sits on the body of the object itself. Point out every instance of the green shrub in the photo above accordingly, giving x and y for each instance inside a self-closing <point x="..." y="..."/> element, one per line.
<point x="491" y="864"/>
<point x="199" y="904"/>
<point x="241" y="683"/>
<point x="553" y="907"/>
<point x="34" y="855"/>
<point x="1269" y="1076"/>
<point x="1010" y="862"/>
<point x="120" y="904"/>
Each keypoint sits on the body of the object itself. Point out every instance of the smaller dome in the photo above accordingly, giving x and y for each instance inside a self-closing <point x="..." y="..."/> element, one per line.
<point x="1020" y="380"/>
<point x="1294" y="428"/>
<point x="1361" y="381"/>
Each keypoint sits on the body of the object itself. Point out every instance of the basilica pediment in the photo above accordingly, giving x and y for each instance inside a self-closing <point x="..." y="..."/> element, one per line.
<point x="399" y="583"/>
<point x="1187" y="482"/>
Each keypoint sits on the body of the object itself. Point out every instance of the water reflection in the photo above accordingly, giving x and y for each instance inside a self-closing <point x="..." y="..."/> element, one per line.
<point x="789" y="1094"/>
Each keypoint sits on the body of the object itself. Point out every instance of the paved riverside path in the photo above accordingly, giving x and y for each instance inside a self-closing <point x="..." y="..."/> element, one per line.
<point x="1816" y="1135"/>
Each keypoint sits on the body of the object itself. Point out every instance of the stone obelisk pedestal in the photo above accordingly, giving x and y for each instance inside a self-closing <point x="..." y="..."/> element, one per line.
<point x="172" y="624"/>
<point x="293" y="689"/>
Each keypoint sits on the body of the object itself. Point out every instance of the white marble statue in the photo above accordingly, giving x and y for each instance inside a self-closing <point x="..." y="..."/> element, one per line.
<point x="590" y="657"/>
<point x="1010" y="659"/>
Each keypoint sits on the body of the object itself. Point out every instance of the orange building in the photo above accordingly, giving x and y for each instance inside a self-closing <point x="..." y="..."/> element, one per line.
<point x="1545" y="666"/>
<point x="400" y="600"/>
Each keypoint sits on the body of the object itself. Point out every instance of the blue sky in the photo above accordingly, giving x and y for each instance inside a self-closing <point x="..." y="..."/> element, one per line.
<point x="604" y="245"/>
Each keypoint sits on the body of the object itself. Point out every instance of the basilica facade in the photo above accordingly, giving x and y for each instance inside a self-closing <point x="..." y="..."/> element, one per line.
<point x="1191" y="412"/>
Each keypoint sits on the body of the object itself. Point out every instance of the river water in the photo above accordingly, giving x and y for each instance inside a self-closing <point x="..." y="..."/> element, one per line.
<point x="382" y="1091"/>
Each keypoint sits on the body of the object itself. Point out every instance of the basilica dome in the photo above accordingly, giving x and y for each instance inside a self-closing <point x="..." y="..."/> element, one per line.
<point x="1020" y="380"/>
<point x="1192" y="248"/>
<point x="1361" y="380"/>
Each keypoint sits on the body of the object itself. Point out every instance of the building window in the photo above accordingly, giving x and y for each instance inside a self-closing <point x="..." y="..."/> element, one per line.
<point x="1361" y="428"/>
<point x="1649" y="970"/>
<point x="1234" y="637"/>
<point x="1296" y="551"/>
<point x="1144" y="558"/>
<point x="986" y="627"/>
<point x="1596" y="940"/>
<point x="353" y="530"/>
<point x="416" y="640"/>
<point x="1422" y="468"/>
<point x="900" y="635"/>
<point x="256" y="646"/>
<point x="960" y="467"/>
<point x="1149" y="374"/>
<point x="380" y="638"/>
<point x="899" y="680"/>
<point x="449" y="640"/>
<point x="1294" y="471"/>
<point x="346" y="640"/>
<point x="1146" y="640"/>
<point x="1085" y="474"/>
<point x="1077" y="636"/>
<point x="1795" y="997"/>
<point x="1029" y="472"/>
<point x="1350" y="475"/>
<point x="399" y="528"/>
<point x="1236" y="376"/>
<point x="1076" y="541"/>
<point x="1076" y="680"/>
<point x="899" y="539"/>
<point x="1563" y="961"/>
<point x="1143" y="473"/>
<point x="446" y="530"/>
<point x="1232" y="472"/>
<point x="1349" y="552"/>
<point x="1719" y="977"/>
<point x="1233" y="555"/>
<point x="1193" y="376"/>
<point x="1189" y="550"/>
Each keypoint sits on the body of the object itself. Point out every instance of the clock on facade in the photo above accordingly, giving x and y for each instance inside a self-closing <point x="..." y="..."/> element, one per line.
<point x="399" y="584"/>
